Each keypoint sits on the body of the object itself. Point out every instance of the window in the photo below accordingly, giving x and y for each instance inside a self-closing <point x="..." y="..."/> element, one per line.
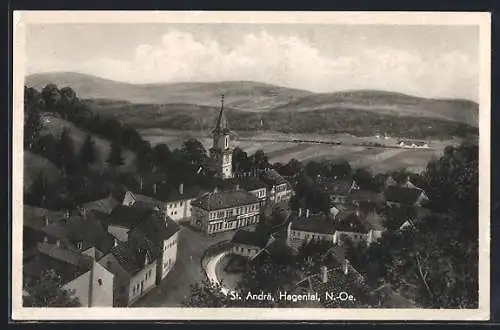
<point x="99" y="281"/>
<point x="181" y="204"/>
<point x="133" y="290"/>
<point x="149" y="273"/>
<point x="79" y="245"/>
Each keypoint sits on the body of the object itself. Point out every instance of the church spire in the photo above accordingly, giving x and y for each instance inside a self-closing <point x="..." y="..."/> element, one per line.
<point x="221" y="123"/>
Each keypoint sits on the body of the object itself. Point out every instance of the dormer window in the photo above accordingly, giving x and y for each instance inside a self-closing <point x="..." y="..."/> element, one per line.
<point x="79" y="245"/>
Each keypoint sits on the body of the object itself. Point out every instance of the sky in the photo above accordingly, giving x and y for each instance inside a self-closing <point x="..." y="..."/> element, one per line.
<point x="427" y="61"/>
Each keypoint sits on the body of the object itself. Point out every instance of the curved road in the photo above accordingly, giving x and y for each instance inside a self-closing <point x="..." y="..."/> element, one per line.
<point x="210" y="270"/>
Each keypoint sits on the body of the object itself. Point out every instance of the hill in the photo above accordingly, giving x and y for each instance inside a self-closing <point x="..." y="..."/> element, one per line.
<point x="34" y="164"/>
<point x="359" y="122"/>
<point x="242" y="95"/>
<point x="54" y="126"/>
<point x="388" y="103"/>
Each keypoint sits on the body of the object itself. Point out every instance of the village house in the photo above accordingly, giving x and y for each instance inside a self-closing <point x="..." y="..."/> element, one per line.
<point x="252" y="184"/>
<point x="403" y="196"/>
<point x="135" y="268"/>
<point x="223" y="210"/>
<point x="81" y="274"/>
<point x="278" y="188"/>
<point x="177" y="203"/>
<point x="125" y="218"/>
<point x="337" y="190"/>
<point x="412" y="144"/>
<point x="249" y="243"/>
<point x="162" y="231"/>
<point x="104" y="205"/>
<point x="358" y="227"/>
<point x="305" y="227"/>
<point x="77" y="233"/>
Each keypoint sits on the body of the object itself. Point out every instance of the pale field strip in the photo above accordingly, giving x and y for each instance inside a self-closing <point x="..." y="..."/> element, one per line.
<point x="315" y="151"/>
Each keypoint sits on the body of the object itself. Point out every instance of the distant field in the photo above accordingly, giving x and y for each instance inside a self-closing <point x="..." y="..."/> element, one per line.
<point x="375" y="159"/>
<point x="55" y="126"/>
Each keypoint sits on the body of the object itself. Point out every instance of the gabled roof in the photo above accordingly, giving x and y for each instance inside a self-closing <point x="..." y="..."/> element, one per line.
<point x="315" y="223"/>
<point x="350" y="221"/>
<point x="364" y="196"/>
<point x="189" y="192"/>
<point x="34" y="217"/>
<point x="131" y="255"/>
<point x="157" y="228"/>
<point x="67" y="264"/>
<point x="252" y="238"/>
<point x="271" y="177"/>
<point x="224" y="199"/>
<point x="129" y="216"/>
<point x="332" y="186"/>
<point x="402" y="195"/>
<point x="249" y="183"/>
<point x="105" y="205"/>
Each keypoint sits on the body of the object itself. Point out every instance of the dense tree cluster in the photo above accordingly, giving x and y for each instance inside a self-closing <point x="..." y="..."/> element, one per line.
<point x="47" y="291"/>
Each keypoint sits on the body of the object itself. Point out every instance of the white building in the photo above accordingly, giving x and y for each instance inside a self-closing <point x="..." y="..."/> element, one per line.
<point x="306" y="227"/>
<point x="248" y="243"/>
<point x="221" y="152"/>
<point x="81" y="274"/>
<point x="225" y="210"/>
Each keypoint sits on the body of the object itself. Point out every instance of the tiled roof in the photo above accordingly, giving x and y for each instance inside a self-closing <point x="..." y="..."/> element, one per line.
<point x="131" y="255"/>
<point x="402" y="195"/>
<point x="145" y="199"/>
<point x="105" y="205"/>
<point x="129" y="216"/>
<point x="224" y="199"/>
<point x="34" y="217"/>
<point x="373" y="221"/>
<point x="365" y="196"/>
<point x="272" y="177"/>
<point x="248" y="183"/>
<point x="252" y="238"/>
<point x="157" y="228"/>
<point x="65" y="263"/>
<point x="315" y="223"/>
<point x="189" y="192"/>
<point x="334" y="186"/>
<point x="350" y="221"/>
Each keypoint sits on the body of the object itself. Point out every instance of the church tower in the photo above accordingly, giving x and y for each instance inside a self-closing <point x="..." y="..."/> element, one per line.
<point x="221" y="152"/>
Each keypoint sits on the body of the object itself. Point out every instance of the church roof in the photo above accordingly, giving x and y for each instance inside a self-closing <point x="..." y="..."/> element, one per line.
<point x="221" y="123"/>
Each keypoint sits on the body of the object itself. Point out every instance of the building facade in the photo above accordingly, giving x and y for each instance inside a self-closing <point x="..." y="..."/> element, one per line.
<point x="306" y="227"/>
<point x="220" y="211"/>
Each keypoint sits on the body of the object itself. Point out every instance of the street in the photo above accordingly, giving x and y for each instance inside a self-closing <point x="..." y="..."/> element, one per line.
<point x="187" y="270"/>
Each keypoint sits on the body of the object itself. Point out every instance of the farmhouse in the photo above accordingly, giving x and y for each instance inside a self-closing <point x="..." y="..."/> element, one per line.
<point x="338" y="190"/>
<point x="413" y="144"/>
<point x="223" y="210"/>
<point x="357" y="227"/>
<point x="403" y="196"/>
<point x="124" y="218"/>
<point x="248" y="243"/>
<point x="278" y="188"/>
<point x="177" y="203"/>
<point x="90" y="282"/>
<point x="77" y="233"/>
<point x="134" y="266"/>
<point x="306" y="227"/>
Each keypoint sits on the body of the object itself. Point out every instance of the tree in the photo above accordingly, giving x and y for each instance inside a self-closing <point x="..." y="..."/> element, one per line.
<point x="39" y="190"/>
<point x="207" y="294"/>
<point x="32" y="128"/>
<point x="241" y="162"/>
<point x="52" y="96"/>
<point x="87" y="152"/>
<point x="115" y="158"/>
<point x="65" y="158"/>
<point x="144" y="160"/>
<point x="162" y="156"/>
<point x="260" y="160"/>
<point x="47" y="291"/>
<point x="194" y="153"/>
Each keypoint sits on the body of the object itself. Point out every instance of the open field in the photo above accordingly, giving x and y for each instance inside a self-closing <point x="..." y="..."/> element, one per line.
<point x="376" y="159"/>
<point x="55" y="126"/>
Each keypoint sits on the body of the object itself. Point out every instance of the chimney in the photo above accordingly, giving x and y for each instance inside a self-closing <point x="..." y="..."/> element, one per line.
<point x="45" y="239"/>
<point x="83" y="212"/>
<point x="46" y="219"/>
<point x="115" y="243"/>
<point x="154" y="188"/>
<point x="324" y="274"/>
<point x="216" y="190"/>
<point x="141" y="183"/>
<point x="146" y="259"/>
<point x="181" y="189"/>
<point x="237" y="186"/>
<point x="307" y="213"/>
<point x="300" y="212"/>
<point x="58" y="243"/>
<point x="346" y="267"/>
<point x="67" y="215"/>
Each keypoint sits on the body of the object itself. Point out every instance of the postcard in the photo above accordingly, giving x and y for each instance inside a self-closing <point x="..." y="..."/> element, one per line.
<point x="250" y="165"/>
